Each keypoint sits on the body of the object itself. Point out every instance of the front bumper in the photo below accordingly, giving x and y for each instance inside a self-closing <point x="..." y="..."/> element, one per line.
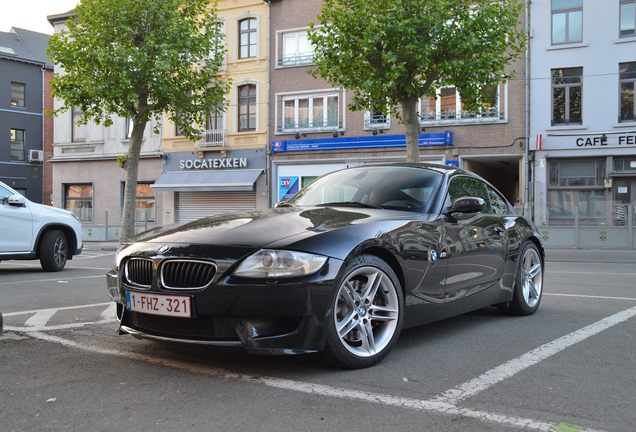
<point x="277" y="317"/>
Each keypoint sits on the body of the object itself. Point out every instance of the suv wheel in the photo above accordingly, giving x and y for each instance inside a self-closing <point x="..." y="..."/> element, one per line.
<point x="53" y="251"/>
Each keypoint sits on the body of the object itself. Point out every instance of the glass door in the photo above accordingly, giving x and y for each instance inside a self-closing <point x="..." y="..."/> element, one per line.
<point x="624" y="197"/>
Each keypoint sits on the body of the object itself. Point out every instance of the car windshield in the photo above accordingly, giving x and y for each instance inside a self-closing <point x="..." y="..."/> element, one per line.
<point x="387" y="187"/>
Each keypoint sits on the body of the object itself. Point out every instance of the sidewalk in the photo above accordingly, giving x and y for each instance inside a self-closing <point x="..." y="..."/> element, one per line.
<point x="552" y="255"/>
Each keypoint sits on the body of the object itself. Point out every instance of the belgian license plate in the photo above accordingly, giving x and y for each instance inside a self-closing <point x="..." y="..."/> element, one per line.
<point x="159" y="304"/>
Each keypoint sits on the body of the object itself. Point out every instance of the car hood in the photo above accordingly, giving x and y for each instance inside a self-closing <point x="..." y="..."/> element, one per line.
<point x="257" y="229"/>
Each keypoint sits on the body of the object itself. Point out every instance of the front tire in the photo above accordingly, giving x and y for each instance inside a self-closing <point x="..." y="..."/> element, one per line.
<point x="366" y="315"/>
<point x="528" y="282"/>
<point x="53" y="251"/>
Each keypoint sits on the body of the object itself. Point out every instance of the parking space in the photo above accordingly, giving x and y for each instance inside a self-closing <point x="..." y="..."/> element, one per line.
<point x="568" y="367"/>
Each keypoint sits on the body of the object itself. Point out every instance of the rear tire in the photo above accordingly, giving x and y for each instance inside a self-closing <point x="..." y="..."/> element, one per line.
<point x="528" y="282"/>
<point x="366" y="314"/>
<point x="53" y="251"/>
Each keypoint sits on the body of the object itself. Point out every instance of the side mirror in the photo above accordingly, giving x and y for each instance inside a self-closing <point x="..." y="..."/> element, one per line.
<point x="468" y="205"/>
<point x="16" y="201"/>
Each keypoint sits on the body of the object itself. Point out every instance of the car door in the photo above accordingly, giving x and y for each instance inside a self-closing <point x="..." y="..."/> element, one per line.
<point x="474" y="244"/>
<point x="16" y="223"/>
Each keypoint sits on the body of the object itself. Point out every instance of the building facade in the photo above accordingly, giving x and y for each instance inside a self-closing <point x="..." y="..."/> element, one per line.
<point x="312" y="131"/>
<point x="225" y="170"/>
<point x="583" y="74"/>
<point x="86" y="177"/>
<point x="24" y="90"/>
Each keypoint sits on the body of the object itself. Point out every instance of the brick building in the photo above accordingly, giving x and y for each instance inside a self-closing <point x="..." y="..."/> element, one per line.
<point x="312" y="131"/>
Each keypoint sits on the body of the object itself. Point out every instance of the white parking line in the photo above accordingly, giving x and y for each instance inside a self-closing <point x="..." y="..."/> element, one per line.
<point x="590" y="296"/>
<point x="591" y="273"/>
<point x="51" y="280"/>
<point x="430" y="406"/>
<point x="40" y="318"/>
<point x="514" y="366"/>
<point x="56" y="309"/>
<point x="89" y="256"/>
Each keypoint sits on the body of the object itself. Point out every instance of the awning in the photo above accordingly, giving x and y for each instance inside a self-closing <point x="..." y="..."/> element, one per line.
<point x="207" y="181"/>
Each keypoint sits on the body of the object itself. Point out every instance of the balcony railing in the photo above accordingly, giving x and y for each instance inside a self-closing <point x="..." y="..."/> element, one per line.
<point x="376" y="121"/>
<point x="212" y="138"/>
<point x="328" y="126"/>
<point x="296" y="59"/>
<point x="451" y="116"/>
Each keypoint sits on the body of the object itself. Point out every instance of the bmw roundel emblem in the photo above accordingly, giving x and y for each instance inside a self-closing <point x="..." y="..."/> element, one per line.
<point x="163" y="249"/>
<point x="432" y="256"/>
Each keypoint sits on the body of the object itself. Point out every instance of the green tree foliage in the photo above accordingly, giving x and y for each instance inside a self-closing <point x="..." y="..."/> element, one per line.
<point x="392" y="52"/>
<point x="138" y="59"/>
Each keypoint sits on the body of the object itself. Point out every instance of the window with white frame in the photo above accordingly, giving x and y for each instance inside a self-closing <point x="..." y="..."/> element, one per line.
<point x="627" y="76"/>
<point x="296" y="49"/>
<point x="567" y="96"/>
<point x="375" y="119"/>
<point x="310" y="112"/>
<point x="247" y="108"/>
<point x="215" y="120"/>
<point x="129" y="127"/>
<point x="447" y="106"/>
<point x="247" y="38"/>
<point x="628" y="18"/>
<point x="78" y="198"/>
<point x="567" y="21"/>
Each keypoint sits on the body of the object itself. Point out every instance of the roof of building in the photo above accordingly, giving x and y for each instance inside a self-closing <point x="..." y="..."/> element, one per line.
<point x="25" y="45"/>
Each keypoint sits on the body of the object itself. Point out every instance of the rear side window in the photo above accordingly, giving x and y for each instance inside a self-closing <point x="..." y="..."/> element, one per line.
<point x="464" y="186"/>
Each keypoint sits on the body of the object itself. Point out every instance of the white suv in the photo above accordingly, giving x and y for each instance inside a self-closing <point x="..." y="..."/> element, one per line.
<point x="35" y="231"/>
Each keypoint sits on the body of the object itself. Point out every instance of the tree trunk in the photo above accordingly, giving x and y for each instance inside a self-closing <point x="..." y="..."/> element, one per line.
<point x="412" y="126"/>
<point x="130" y="191"/>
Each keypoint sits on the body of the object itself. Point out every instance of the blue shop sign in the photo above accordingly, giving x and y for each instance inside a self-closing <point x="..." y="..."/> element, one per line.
<point x="288" y="187"/>
<point x="444" y="138"/>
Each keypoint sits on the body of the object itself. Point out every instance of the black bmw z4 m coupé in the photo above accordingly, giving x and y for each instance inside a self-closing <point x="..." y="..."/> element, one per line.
<point x="342" y="267"/>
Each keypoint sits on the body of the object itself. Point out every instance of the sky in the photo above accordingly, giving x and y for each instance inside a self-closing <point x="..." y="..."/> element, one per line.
<point x="31" y="14"/>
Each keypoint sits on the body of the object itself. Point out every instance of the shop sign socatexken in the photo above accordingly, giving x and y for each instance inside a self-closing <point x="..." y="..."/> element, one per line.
<point x="218" y="163"/>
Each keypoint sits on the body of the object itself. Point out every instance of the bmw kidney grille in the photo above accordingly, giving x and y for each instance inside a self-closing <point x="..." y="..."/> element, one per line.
<point x="187" y="274"/>
<point x="139" y="272"/>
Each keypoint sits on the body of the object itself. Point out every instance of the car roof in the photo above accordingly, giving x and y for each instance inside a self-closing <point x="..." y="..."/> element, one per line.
<point x="444" y="169"/>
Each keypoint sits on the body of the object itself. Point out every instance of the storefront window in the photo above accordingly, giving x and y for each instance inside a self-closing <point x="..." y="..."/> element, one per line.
<point x="625" y="164"/>
<point x="590" y="204"/>
<point x="577" y="186"/>
<point x="144" y="202"/>
<point x="78" y="198"/>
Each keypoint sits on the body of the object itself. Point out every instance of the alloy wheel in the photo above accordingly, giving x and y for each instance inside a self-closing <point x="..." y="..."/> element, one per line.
<point x="531" y="277"/>
<point x="59" y="251"/>
<point x="366" y="311"/>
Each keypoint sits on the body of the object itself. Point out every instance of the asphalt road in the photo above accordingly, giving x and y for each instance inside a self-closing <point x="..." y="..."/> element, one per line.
<point x="569" y="367"/>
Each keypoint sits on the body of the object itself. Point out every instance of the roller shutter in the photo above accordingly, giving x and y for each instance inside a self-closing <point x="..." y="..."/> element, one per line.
<point x="196" y="205"/>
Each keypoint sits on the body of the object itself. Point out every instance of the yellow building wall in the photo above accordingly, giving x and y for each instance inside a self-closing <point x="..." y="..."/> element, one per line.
<point x="238" y="71"/>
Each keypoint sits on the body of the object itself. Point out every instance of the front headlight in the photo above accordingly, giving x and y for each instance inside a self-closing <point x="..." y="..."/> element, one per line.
<point x="269" y="263"/>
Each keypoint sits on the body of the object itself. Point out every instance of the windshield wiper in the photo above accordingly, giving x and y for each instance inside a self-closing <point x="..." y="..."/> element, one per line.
<point x="347" y="204"/>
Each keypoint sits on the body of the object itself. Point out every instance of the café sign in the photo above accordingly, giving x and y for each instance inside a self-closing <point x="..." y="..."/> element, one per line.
<point x="213" y="163"/>
<point x="605" y="141"/>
